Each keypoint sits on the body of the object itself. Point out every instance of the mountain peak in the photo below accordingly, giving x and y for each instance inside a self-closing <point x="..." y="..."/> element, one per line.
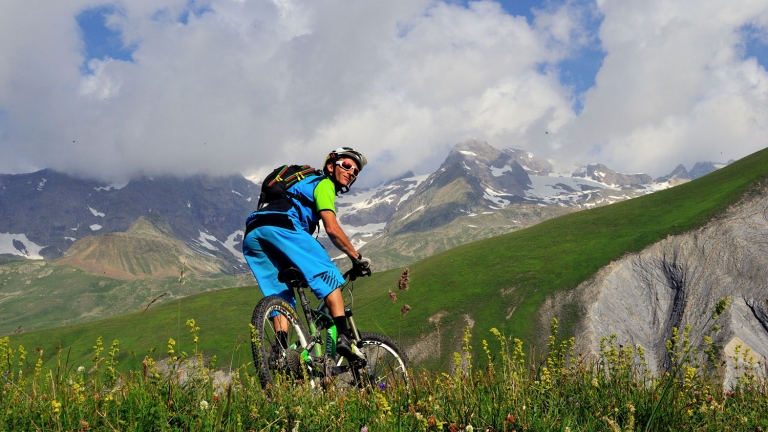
<point x="150" y="226"/>
<point x="145" y="250"/>
<point x="475" y="148"/>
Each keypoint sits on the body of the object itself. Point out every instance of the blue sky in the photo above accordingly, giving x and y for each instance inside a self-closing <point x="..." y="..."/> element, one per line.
<point x="184" y="86"/>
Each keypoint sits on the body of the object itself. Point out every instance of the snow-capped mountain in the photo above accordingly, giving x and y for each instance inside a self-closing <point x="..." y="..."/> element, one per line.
<point x="481" y="191"/>
<point x="43" y="213"/>
<point x="478" y="191"/>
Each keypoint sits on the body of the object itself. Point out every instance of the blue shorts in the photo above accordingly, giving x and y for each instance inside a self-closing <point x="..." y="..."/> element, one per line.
<point x="270" y="249"/>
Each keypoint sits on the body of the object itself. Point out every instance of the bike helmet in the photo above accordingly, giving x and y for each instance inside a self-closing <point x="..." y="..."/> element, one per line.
<point x="344" y="152"/>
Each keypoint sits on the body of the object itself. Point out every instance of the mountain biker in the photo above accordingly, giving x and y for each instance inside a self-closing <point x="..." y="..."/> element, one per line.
<point x="278" y="240"/>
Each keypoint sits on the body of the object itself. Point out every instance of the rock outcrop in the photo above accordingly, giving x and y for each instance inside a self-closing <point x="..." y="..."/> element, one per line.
<point x="602" y="174"/>
<point x="677" y="282"/>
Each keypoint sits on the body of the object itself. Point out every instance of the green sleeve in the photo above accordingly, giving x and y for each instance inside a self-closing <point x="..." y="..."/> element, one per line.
<point x="325" y="195"/>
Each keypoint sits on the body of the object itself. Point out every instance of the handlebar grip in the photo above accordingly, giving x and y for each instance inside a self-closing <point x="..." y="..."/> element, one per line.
<point x="354" y="273"/>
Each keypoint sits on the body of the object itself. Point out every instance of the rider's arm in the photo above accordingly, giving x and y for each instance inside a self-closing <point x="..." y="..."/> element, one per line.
<point x="325" y="197"/>
<point x="336" y="234"/>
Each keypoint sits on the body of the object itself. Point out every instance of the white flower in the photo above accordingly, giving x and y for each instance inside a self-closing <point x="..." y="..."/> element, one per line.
<point x="81" y="369"/>
<point x="203" y="405"/>
<point x="469" y="428"/>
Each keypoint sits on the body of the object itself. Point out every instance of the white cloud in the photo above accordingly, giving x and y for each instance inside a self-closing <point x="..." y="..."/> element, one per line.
<point x="674" y="86"/>
<point x="246" y="85"/>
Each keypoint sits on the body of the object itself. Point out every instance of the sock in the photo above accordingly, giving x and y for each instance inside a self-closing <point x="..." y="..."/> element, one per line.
<point x="341" y="325"/>
<point x="282" y="338"/>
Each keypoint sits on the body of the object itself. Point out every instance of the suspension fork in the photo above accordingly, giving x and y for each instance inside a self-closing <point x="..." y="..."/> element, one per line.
<point x="352" y="326"/>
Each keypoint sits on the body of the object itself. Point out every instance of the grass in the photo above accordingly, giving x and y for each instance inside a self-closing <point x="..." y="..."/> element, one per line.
<point x="40" y="294"/>
<point x="499" y="391"/>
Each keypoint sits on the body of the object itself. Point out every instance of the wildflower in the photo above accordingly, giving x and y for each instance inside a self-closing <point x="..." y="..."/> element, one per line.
<point x="404" y="310"/>
<point x="594" y="382"/>
<point x="364" y="429"/>
<point x="382" y="386"/>
<point x="402" y="282"/>
<point x="431" y="421"/>
<point x="203" y="404"/>
<point x="392" y="296"/>
<point x="84" y="426"/>
<point x="56" y="406"/>
<point x="469" y="428"/>
<point x="510" y="418"/>
<point x="81" y="369"/>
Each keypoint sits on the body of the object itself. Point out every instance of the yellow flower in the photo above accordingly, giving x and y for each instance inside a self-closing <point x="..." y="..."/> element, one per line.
<point x="56" y="405"/>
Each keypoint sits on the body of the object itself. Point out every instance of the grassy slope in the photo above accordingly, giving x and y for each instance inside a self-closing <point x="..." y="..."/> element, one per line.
<point x="484" y="280"/>
<point x="40" y="294"/>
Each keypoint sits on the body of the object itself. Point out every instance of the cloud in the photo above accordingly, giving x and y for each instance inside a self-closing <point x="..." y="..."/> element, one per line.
<point x="226" y="86"/>
<point x="674" y="87"/>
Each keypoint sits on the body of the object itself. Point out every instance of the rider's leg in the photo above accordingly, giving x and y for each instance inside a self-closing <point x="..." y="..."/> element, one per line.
<point x="344" y="342"/>
<point x="335" y="303"/>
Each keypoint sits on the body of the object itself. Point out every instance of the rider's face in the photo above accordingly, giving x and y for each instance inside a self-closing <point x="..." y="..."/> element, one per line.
<point x="342" y="175"/>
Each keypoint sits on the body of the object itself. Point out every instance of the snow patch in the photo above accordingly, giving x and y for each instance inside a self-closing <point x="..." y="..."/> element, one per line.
<point x="468" y="153"/>
<point x="365" y="230"/>
<point x="406" y="216"/>
<point x="41" y="184"/>
<point x="113" y="186"/>
<point x="237" y="193"/>
<point x="70" y="238"/>
<point x="96" y="212"/>
<point x="498" y="172"/>
<point x="412" y="188"/>
<point x="494" y="196"/>
<point x="233" y="240"/>
<point x="95" y="227"/>
<point x="203" y="241"/>
<point x="20" y="245"/>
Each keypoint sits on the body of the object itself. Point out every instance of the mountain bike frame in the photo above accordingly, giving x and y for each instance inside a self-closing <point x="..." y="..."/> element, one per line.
<point x="318" y="319"/>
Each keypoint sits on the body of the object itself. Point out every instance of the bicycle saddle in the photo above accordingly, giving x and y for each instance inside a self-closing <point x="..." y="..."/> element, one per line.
<point x="290" y="275"/>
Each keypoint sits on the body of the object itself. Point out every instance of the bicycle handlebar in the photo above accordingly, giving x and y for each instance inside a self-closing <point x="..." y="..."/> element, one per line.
<point x="355" y="273"/>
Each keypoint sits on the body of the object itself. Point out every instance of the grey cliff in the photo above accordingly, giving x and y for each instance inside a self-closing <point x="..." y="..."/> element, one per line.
<point x="677" y="282"/>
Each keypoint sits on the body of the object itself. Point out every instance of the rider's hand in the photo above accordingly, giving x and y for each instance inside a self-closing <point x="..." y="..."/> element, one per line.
<point x="362" y="265"/>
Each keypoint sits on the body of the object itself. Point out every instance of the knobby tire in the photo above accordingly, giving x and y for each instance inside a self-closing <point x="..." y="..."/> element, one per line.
<point x="270" y="359"/>
<point x="386" y="364"/>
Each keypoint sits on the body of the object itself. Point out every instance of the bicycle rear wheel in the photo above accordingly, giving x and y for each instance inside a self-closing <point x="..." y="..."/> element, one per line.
<point x="386" y="365"/>
<point x="271" y="358"/>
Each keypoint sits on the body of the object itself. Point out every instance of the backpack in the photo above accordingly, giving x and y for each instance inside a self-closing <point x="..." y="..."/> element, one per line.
<point x="274" y="189"/>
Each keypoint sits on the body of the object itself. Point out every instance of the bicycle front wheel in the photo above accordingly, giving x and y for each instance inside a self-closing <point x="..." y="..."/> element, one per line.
<point x="385" y="365"/>
<point x="275" y="358"/>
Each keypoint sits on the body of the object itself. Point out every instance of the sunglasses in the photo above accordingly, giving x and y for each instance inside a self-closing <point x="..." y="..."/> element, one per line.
<point x="347" y="165"/>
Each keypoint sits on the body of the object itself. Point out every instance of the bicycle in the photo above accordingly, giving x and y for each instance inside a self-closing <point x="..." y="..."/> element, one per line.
<point x="303" y="357"/>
